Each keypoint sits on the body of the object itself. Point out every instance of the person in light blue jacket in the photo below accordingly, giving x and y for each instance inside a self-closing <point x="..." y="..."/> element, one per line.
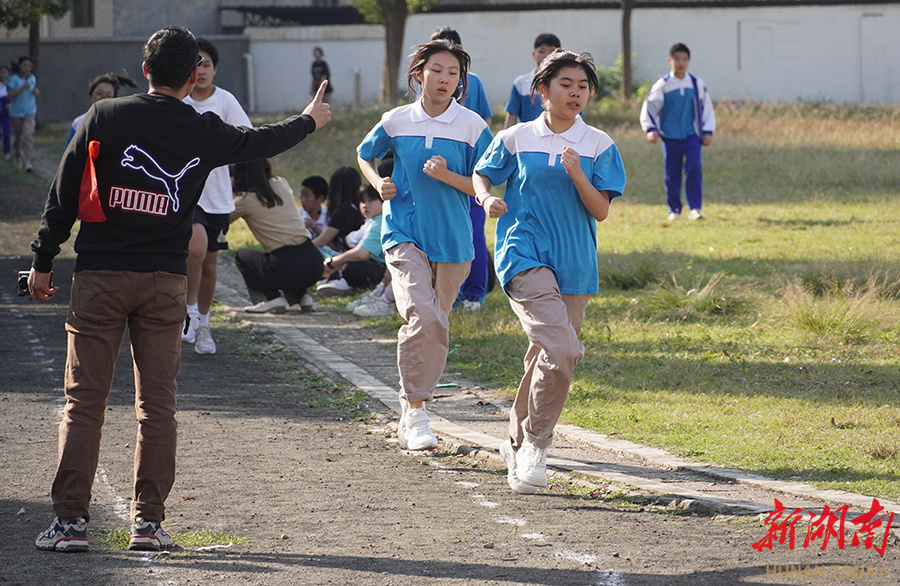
<point x="678" y="109"/>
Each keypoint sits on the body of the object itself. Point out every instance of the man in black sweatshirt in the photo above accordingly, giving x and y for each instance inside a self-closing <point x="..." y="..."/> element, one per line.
<point x="133" y="174"/>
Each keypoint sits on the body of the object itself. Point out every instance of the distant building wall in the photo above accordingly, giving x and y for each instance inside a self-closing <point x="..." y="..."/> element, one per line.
<point x="67" y="67"/>
<point x="282" y="58"/>
<point x="839" y="53"/>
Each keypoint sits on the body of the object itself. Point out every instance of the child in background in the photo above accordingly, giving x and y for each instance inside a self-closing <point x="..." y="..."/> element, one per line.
<point x="313" y="193"/>
<point x="426" y="232"/>
<point x="475" y="287"/>
<point x="679" y="110"/>
<point x="522" y="107"/>
<point x="560" y="176"/>
<point x="291" y="262"/>
<point x="23" y="94"/>
<point x="343" y="216"/>
<point x="101" y="87"/>
<point x="216" y="203"/>
<point x="5" y="123"/>
<point x="361" y="267"/>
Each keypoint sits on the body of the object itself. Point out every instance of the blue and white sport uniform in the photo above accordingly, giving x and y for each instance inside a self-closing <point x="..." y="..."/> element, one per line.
<point x="678" y="108"/>
<point x="520" y="101"/>
<point x="476" y="98"/>
<point x="427" y="212"/>
<point x="546" y="224"/>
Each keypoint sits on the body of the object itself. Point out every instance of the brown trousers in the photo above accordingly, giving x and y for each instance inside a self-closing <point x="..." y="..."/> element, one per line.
<point x="152" y="306"/>
<point x="552" y="322"/>
<point x="424" y="292"/>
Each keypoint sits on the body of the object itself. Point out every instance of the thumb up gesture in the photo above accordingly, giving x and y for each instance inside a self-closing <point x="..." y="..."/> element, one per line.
<point x="319" y="110"/>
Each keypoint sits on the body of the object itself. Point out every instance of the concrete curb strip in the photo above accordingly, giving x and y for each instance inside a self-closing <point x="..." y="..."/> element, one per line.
<point x="465" y="441"/>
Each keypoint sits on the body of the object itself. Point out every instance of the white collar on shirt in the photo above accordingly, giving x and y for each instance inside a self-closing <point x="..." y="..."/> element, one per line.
<point x="573" y="135"/>
<point x="420" y="115"/>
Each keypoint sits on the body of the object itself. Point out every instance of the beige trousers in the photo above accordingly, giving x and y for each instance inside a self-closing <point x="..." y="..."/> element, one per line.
<point x="424" y="292"/>
<point x="552" y="322"/>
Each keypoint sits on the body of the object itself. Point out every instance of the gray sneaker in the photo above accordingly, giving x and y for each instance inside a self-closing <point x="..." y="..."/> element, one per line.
<point x="204" y="343"/>
<point x="148" y="536"/>
<point x="67" y="535"/>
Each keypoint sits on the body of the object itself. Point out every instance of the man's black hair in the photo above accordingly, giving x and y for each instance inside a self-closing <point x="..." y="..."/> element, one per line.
<point x="318" y="185"/>
<point x="548" y="39"/>
<point x="210" y="49"/>
<point x="171" y="54"/>
<point x="679" y="48"/>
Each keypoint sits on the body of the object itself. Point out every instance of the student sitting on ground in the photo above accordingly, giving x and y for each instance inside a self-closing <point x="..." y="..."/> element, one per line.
<point x="313" y="193"/>
<point x="362" y="266"/>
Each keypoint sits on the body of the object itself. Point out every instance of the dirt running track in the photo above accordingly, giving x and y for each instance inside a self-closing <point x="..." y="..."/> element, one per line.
<point x="318" y="497"/>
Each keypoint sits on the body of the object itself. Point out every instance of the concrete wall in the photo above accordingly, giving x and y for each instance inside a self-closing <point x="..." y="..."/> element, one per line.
<point x="836" y="53"/>
<point x="66" y="68"/>
<point x="282" y="58"/>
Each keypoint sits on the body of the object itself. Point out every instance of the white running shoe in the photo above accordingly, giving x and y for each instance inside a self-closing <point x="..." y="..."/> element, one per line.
<point x="509" y="456"/>
<point x="418" y="432"/>
<point x="204" y="343"/>
<point x="401" y="426"/>
<point x="673" y="216"/>
<point x="531" y="465"/>
<point x="193" y="322"/>
<point x="696" y="215"/>
<point x="276" y="305"/>
<point x="334" y="288"/>
<point x="379" y="307"/>
<point x="366" y="299"/>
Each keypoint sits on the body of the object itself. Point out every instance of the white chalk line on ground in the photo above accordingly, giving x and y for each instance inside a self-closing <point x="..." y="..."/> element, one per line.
<point x="329" y="360"/>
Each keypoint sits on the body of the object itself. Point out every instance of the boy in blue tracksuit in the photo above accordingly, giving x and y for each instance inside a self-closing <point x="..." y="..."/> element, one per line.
<point x="679" y="110"/>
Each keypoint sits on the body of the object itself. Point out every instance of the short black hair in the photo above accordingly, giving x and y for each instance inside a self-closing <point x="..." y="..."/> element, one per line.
<point x="555" y="61"/>
<point x="445" y="32"/>
<point x="679" y="48"/>
<point x="547" y="39"/>
<point x="210" y="49"/>
<point x="170" y="55"/>
<point x="368" y="193"/>
<point x="317" y="184"/>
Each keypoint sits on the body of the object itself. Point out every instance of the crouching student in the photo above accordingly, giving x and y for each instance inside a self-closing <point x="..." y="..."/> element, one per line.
<point x="361" y="267"/>
<point x="291" y="262"/>
<point x="560" y="176"/>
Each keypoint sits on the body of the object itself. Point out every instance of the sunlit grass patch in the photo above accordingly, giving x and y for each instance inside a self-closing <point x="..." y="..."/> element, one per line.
<point x="847" y="314"/>
<point x="117" y="539"/>
<point x="701" y="296"/>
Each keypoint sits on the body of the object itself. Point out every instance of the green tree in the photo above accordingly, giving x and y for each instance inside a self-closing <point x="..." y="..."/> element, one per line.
<point x="16" y="13"/>
<point x="392" y="15"/>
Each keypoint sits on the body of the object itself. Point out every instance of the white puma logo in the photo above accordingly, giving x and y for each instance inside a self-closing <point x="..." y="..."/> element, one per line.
<point x="137" y="158"/>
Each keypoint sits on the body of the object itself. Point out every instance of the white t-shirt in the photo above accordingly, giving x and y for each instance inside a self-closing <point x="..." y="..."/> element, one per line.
<point x="321" y="222"/>
<point x="217" y="197"/>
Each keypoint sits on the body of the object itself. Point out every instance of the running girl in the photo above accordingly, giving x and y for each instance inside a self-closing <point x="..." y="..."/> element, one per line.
<point x="561" y="175"/>
<point x="426" y="232"/>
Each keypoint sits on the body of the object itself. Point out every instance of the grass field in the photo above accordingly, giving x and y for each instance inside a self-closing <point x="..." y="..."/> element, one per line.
<point x="765" y="337"/>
